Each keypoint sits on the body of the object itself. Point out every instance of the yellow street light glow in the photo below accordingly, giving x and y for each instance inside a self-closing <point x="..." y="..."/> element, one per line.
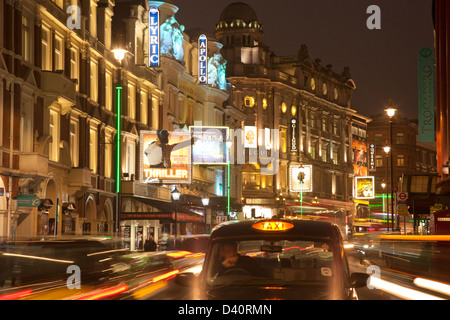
<point x="433" y="285"/>
<point x="400" y="291"/>
<point x="37" y="257"/>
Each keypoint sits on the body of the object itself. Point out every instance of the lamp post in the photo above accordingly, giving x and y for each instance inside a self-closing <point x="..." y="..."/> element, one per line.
<point x="387" y="149"/>
<point x="119" y="55"/>
<point x="229" y="144"/>
<point x="383" y="186"/>
<point x="205" y="202"/>
<point x="391" y="113"/>
<point x="176" y="196"/>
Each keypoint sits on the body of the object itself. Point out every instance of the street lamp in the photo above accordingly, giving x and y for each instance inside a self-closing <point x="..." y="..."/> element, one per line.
<point x="387" y="149"/>
<point x="391" y="113"/>
<point x="119" y="55"/>
<point x="176" y="196"/>
<point x="205" y="201"/>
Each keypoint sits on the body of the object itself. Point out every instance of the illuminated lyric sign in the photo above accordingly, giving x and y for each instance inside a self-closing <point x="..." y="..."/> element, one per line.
<point x="210" y="145"/>
<point x="300" y="177"/>
<point x="364" y="188"/>
<point x="203" y="59"/>
<point x="165" y="157"/>
<point x="154" y="37"/>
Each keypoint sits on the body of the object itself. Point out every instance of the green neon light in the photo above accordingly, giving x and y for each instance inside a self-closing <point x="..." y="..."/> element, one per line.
<point x="119" y="133"/>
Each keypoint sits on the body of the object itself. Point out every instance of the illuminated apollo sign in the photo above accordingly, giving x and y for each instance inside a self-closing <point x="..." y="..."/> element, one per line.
<point x="202" y="59"/>
<point x="154" y="37"/>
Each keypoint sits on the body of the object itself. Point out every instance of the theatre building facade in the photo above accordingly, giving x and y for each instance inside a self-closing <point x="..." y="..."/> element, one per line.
<point x="59" y="105"/>
<point x="298" y="111"/>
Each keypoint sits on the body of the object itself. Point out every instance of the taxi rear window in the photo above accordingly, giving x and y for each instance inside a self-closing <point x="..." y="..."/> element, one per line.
<point x="263" y="262"/>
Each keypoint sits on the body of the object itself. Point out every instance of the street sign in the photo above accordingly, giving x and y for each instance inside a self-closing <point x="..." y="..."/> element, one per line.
<point x="220" y="219"/>
<point x="28" y="200"/>
<point x="402" y="210"/>
<point x="402" y="196"/>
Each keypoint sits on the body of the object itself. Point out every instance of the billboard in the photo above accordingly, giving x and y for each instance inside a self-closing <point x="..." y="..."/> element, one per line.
<point x="359" y="147"/>
<point x="210" y="145"/>
<point x="298" y="173"/>
<point x="165" y="157"/>
<point x="364" y="188"/>
<point x="250" y="137"/>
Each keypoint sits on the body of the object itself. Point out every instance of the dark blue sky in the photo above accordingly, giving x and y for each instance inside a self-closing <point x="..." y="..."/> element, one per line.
<point x="383" y="63"/>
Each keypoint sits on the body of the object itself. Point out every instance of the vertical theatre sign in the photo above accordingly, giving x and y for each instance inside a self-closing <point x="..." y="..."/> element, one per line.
<point x="154" y="37"/>
<point x="426" y="96"/>
<point x="203" y="59"/>
<point x="294" y="135"/>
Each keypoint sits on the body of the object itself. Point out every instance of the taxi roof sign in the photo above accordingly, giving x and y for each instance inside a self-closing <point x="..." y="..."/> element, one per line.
<point x="273" y="225"/>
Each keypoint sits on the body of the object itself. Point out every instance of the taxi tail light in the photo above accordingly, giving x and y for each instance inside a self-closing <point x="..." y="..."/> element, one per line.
<point x="16" y="295"/>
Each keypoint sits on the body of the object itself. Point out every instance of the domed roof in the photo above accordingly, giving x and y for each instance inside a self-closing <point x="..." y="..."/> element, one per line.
<point x="238" y="11"/>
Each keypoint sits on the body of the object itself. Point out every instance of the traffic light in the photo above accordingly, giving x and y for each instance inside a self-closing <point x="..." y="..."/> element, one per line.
<point x="253" y="213"/>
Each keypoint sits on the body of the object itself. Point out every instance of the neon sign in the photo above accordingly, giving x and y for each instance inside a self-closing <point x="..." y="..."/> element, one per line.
<point x="202" y="59"/>
<point x="154" y="37"/>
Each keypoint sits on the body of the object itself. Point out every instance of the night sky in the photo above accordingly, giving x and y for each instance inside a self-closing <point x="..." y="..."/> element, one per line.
<point x="383" y="63"/>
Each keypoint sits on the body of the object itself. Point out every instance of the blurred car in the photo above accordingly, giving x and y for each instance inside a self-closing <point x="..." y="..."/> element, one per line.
<point x="194" y="243"/>
<point x="35" y="260"/>
<point x="275" y="259"/>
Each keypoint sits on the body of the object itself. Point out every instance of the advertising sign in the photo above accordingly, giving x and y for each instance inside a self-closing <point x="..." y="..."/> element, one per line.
<point x="365" y="187"/>
<point x="154" y="37"/>
<point x="426" y="96"/>
<point x="210" y="145"/>
<point x="300" y="177"/>
<point x="203" y="59"/>
<point x="250" y="137"/>
<point x="28" y="200"/>
<point x="359" y="147"/>
<point x="165" y="157"/>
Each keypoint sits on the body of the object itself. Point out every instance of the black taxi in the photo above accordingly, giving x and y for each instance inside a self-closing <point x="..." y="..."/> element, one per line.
<point x="289" y="259"/>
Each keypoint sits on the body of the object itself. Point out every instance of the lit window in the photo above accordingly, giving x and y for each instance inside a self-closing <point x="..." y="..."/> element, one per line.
<point x="58" y="49"/>
<point x="131" y="101"/>
<point x="93" y="149"/>
<point x="283" y="141"/>
<point x="108" y="154"/>
<point x="93" y="18"/>
<point x="74" y="155"/>
<point x="74" y="65"/>
<point x="155" y="113"/>
<point x="144" y="106"/>
<point x="46" y="53"/>
<point x="53" y="149"/>
<point x="26" y="47"/>
<point x="94" y="80"/>
<point x="108" y="90"/>
<point x="379" y="161"/>
<point x="401" y="160"/>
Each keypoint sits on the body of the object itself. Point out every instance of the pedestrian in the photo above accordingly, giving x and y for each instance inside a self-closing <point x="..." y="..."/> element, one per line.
<point x="150" y="244"/>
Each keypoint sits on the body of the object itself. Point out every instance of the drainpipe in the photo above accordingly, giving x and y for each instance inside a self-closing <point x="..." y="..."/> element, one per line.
<point x="11" y="141"/>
